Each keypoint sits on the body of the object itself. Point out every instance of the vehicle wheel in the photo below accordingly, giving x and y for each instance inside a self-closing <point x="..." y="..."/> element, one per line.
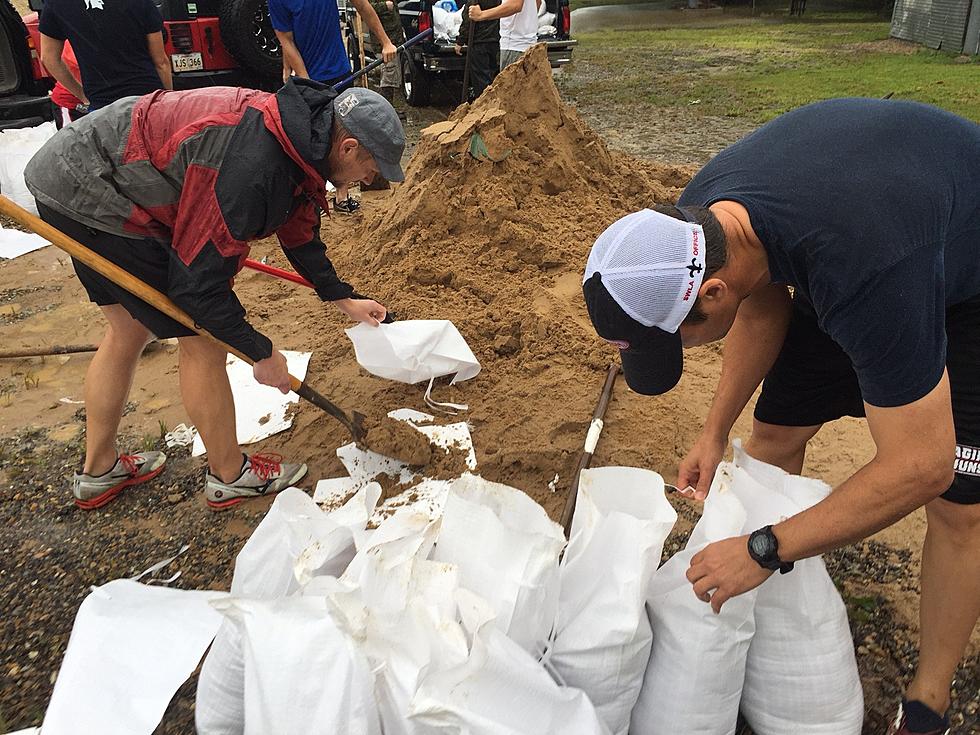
<point x="416" y="82"/>
<point x="247" y="33"/>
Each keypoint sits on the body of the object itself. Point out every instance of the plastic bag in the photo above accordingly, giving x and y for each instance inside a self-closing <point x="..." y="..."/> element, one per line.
<point x="602" y="641"/>
<point x="801" y="675"/>
<point x="507" y="551"/>
<point x="17" y="147"/>
<point x="693" y="682"/>
<point x="446" y="24"/>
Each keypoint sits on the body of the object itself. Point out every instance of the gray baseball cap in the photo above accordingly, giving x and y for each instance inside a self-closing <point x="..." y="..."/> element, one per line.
<point x="371" y="119"/>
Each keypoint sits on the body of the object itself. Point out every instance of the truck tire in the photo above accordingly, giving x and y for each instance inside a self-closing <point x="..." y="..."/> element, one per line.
<point x="353" y="49"/>
<point x="416" y="82"/>
<point x="247" y="33"/>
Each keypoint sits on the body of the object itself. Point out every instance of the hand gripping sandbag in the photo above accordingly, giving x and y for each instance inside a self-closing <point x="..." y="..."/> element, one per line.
<point x="693" y="682"/>
<point x="801" y="677"/>
<point x="303" y="674"/>
<point x="507" y="551"/>
<point x="602" y="639"/>
<point x="499" y="689"/>
<point x="415" y="350"/>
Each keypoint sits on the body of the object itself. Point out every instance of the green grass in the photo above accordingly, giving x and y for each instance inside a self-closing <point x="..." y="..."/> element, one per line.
<point x="759" y="68"/>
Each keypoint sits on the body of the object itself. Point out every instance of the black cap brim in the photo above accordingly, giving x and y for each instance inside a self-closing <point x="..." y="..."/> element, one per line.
<point x="654" y="360"/>
<point x="657" y="367"/>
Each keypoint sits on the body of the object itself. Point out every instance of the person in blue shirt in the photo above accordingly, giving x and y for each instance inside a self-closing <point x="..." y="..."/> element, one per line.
<point x="313" y="48"/>
<point x="836" y="250"/>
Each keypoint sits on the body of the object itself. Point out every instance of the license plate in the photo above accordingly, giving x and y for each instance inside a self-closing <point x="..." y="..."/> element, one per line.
<point x="187" y="62"/>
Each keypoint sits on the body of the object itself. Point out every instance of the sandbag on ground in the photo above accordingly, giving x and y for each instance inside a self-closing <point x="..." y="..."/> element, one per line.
<point x="507" y="551"/>
<point x="602" y="641"/>
<point x="693" y="682"/>
<point x="801" y="677"/>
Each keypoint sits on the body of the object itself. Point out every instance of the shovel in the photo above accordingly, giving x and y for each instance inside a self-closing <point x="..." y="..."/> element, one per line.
<point x="354" y="422"/>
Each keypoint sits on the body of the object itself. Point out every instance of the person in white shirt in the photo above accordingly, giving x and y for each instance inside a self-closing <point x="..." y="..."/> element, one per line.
<point x="518" y="26"/>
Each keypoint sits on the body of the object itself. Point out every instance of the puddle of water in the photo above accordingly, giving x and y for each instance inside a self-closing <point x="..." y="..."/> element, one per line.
<point x="635" y="15"/>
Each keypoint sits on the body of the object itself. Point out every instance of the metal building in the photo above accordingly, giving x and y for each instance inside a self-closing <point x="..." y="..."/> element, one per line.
<point x="950" y="25"/>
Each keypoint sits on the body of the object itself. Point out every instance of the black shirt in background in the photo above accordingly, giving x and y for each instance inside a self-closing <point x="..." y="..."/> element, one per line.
<point x="871" y="210"/>
<point x="109" y="39"/>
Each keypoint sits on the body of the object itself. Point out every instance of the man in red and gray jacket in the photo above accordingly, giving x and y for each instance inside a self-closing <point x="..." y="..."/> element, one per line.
<point x="172" y="186"/>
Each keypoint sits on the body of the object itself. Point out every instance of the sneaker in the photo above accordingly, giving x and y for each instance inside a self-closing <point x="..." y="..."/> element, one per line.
<point x="923" y="717"/>
<point x="130" y="469"/>
<point x="348" y="206"/>
<point x="262" y="474"/>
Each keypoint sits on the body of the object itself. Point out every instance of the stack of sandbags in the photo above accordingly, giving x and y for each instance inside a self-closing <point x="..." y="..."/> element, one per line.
<point x="782" y="653"/>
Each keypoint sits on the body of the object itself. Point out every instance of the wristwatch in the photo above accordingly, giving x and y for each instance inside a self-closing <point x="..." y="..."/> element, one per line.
<point x="764" y="549"/>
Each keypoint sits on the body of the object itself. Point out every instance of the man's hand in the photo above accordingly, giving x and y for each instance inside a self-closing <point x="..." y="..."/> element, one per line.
<point x="457" y="49"/>
<point x="697" y="469"/>
<point x="725" y="567"/>
<point x="272" y="371"/>
<point x="388" y="52"/>
<point x="475" y="12"/>
<point x="363" y="310"/>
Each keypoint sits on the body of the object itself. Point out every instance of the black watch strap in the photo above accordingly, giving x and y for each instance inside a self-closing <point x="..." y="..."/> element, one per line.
<point x="764" y="549"/>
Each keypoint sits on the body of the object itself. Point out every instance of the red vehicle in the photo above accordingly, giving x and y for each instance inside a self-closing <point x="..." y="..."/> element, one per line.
<point x="210" y="42"/>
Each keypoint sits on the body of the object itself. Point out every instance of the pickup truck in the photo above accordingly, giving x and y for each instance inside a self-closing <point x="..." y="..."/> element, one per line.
<point x="435" y="60"/>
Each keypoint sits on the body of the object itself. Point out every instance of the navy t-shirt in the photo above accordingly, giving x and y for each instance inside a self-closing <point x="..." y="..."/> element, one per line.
<point x="871" y="210"/>
<point x="109" y="39"/>
<point x="315" y="25"/>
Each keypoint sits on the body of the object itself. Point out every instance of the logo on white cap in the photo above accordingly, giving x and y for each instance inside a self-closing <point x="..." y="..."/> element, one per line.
<point x="652" y="265"/>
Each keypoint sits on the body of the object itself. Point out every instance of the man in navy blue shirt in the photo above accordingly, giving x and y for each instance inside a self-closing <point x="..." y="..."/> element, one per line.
<point x="313" y="48"/>
<point x="869" y="210"/>
<point x="118" y="45"/>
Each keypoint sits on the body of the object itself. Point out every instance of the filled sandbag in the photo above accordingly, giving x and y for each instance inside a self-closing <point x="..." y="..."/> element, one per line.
<point x="801" y="676"/>
<point x="602" y="638"/>
<point x="693" y="682"/>
<point x="506" y="549"/>
<point x="17" y="147"/>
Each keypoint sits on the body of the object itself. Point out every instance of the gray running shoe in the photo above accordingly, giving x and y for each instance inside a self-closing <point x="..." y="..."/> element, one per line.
<point x="262" y="474"/>
<point x="130" y="469"/>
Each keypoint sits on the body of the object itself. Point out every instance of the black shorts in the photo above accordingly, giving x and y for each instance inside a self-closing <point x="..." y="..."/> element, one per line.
<point x="148" y="260"/>
<point x="812" y="382"/>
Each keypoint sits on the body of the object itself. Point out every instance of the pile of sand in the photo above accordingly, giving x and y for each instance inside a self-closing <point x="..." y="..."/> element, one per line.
<point x="498" y="247"/>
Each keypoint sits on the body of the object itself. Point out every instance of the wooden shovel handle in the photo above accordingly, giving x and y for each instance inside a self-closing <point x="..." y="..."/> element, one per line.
<point x="151" y="296"/>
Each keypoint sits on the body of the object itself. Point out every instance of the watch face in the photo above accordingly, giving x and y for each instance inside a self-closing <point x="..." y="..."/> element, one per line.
<point x="760" y="545"/>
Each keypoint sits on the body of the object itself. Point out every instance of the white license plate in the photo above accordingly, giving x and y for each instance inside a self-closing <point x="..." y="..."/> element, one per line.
<point x="187" y="62"/>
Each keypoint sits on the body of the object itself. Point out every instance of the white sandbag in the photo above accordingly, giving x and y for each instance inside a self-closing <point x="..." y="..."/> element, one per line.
<point x="500" y="690"/>
<point x="130" y="649"/>
<point x="602" y="638"/>
<point x="416" y="349"/>
<point x="401" y="608"/>
<point x="507" y="551"/>
<point x="219" y="707"/>
<point x="697" y="662"/>
<point x="17" y="147"/>
<point x="266" y="566"/>
<point x="801" y="676"/>
<point x="294" y="542"/>
<point x="303" y="674"/>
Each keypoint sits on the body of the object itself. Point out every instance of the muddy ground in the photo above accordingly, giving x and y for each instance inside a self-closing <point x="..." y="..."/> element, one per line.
<point x="51" y="552"/>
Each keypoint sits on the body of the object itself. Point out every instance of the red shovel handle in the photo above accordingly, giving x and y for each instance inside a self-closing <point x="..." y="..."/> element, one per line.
<point x="277" y="272"/>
